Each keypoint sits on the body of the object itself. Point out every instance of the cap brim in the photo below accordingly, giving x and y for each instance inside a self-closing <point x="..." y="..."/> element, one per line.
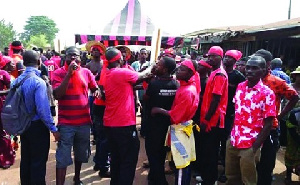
<point x="127" y="50"/>
<point x="89" y="45"/>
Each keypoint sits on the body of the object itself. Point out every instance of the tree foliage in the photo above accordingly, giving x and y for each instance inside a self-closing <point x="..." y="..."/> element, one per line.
<point x="7" y="34"/>
<point x="38" y="41"/>
<point x="40" y="25"/>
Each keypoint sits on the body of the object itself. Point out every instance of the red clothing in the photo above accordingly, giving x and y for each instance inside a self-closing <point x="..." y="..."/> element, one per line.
<point x="17" y="59"/>
<point x="73" y="107"/>
<point x="52" y="66"/>
<point x="281" y="89"/>
<point x="217" y="83"/>
<point x="252" y="106"/>
<point x="57" y="60"/>
<point x="119" y="99"/>
<point x="185" y="103"/>
<point x="4" y="83"/>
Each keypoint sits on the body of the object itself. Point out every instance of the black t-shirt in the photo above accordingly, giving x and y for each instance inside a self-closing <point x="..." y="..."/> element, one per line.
<point x="161" y="93"/>
<point x="196" y="117"/>
<point x="234" y="78"/>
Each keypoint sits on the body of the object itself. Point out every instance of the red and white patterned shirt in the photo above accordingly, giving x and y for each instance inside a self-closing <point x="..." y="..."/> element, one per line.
<point x="252" y="106"/>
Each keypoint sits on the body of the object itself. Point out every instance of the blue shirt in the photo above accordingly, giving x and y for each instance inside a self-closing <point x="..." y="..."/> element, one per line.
<point x="34" y="90"/>
<point x="277" y="72"/>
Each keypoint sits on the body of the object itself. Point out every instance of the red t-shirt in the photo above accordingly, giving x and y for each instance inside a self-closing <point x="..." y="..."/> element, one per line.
<point x="18" y="61"/>
<point x="252" y="106"/>
<point x="56" y="59"/>
<point x="281" y="89"/>
<point x="73" y="107"/>
<point x="185" y="103"/>
<point x="119" y="99"/>
<point x="217" y="83"/>
<point x="52" y="66"/>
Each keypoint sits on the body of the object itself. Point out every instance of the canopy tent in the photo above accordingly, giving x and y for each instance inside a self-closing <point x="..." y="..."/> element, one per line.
<point x="129" y="27"/>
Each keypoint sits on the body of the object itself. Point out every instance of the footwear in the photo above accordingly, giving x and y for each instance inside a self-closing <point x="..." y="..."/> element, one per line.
<point x="96" y="168"/>
<point x="222" y="178"/>
<point x="78" y="182"/>
<point x="104" y="174"/>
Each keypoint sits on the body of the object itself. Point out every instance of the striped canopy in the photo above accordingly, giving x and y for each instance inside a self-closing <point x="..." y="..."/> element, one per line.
<point x="129" y="27"/>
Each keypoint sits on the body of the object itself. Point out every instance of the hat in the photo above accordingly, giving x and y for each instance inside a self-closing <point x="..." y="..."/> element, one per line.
<point x="297" y="70"/>
<point x="267" y="55"/>
<point x="90" y="44"/>
<point x="4" y="61"/>
<point x="216" y="50"/>
<point x="236" y="54"/>
<point x="205" y="64"/>
<point x="127" y="50"/>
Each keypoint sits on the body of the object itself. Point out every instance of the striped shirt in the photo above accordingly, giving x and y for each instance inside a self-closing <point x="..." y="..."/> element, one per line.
<point x="73" y="107"/>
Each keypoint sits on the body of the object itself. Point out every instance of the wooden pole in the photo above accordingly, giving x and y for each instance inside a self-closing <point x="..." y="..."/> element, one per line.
<point x="157" y="45"/>
<point x="58" y="45"/>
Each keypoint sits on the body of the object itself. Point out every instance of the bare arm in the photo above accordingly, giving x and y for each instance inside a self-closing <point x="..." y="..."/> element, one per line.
<point x="213" y="106"/>
<point x="289" y="106"/>
<point x="157" y="110"/>
<point x="264" y="133"/>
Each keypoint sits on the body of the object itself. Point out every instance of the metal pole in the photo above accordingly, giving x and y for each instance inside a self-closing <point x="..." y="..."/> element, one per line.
<point x="289" y="15"/>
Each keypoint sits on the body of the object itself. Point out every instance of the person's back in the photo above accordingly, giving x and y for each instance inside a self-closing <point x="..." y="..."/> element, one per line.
<point x="51" y="66"/>
<point x="119" y="97"/>
<point x="34" y="90"/>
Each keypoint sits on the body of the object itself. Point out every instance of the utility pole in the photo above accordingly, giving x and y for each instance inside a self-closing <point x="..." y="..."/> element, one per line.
<point x="289" y="15"/>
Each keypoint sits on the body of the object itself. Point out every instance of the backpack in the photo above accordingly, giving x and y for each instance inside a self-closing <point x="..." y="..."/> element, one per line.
<point x="14" y="115"/>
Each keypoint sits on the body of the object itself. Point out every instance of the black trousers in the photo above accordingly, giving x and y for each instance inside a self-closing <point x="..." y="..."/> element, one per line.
<point x="102" y="149"/>
<point x="211" y="145"/>
<point x="268" y="158"/>
<point x="156" y="151"/>
<point x="124" y="147"/>
<point x="35" y="144"/>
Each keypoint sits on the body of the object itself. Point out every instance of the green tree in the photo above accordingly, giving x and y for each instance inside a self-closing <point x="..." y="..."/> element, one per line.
<point x="7" y="34"/>
<point x="39" y="41"/>
<point x="40" y="25"/>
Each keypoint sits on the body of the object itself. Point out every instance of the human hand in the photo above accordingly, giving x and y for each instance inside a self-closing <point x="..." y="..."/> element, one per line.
<point x="97" y="94"/>
<point x="154" y="110"/>
<point x="72" y="67"/>
<point x="56" y="136"/>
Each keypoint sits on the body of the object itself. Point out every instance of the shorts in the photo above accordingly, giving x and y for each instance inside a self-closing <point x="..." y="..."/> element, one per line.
<point x="79" y="138"/>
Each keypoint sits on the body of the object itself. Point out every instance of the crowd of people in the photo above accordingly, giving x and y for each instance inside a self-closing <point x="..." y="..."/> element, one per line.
<point x="196" y="113"/>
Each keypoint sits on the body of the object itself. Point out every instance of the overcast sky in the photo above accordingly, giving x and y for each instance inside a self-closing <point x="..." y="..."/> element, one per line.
<point x="173" y="16"/>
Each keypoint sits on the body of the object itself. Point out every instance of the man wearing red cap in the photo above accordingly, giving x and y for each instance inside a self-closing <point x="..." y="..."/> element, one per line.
<point x="181" y="138"/>
<point x="15" y="52"/>
<point x="234" y="78"/>
<point x="213" y="109"/>
<point x="119" y="116"/>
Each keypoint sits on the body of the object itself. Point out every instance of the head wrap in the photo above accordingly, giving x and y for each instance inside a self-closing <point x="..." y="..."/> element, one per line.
<point x="11" y="47"/>
<point x="205" y="64"/>
<point x="216" y="50"/>
<point x="195" y="78"/>
<point x="236" y="54"/>
<point x="4" y="60"/>
<point x="106" y="62"/>
<point x="99" y="48"/>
